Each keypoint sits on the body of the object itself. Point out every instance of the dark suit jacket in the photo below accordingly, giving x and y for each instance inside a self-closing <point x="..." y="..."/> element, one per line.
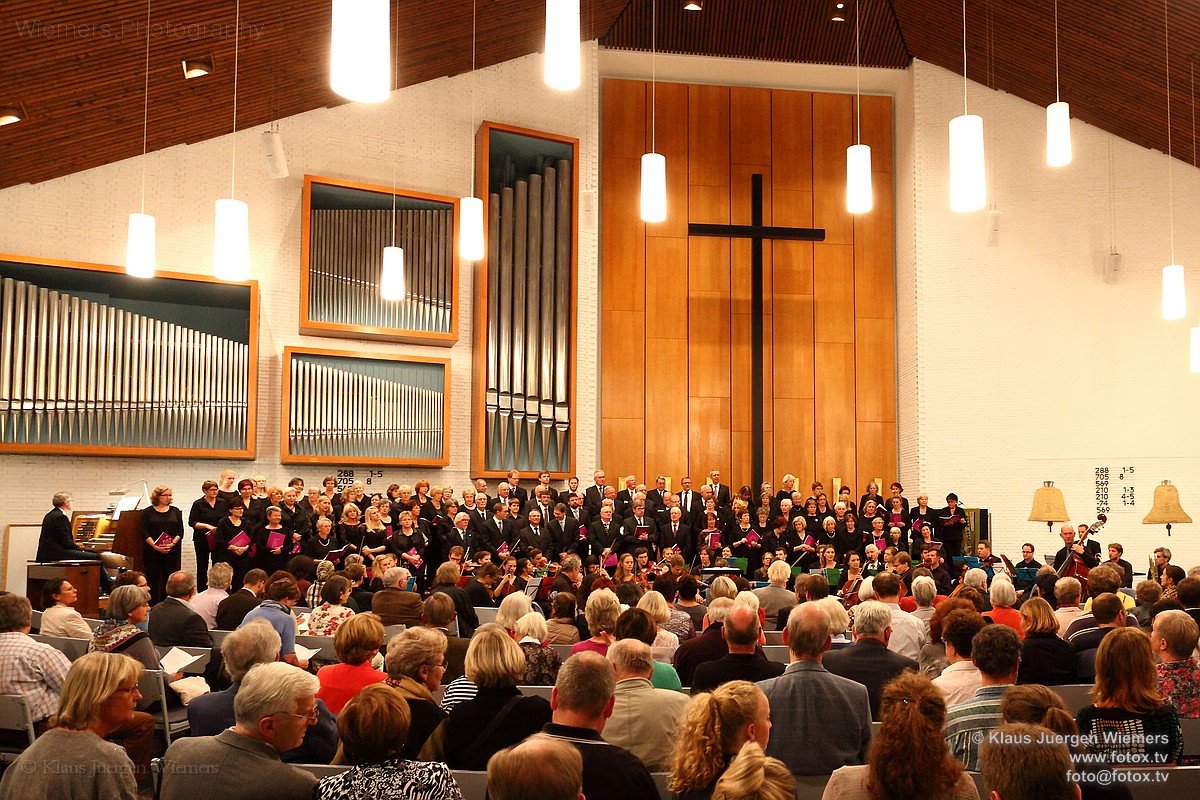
<point x="708" y="646"/>
<point x="1091" y="554"/>
<point x="668" y="538"/>
<point x="593" y="496"/>
<point x="498" y="535"/>
<point x="870" y="663"/>
<point x="56" y="543"/>
<point x="629" y="540"/>
<point x="519" y="492"/>
<point x="211" y="713"/>
<point x="599" y="540"/>
<point x="723" y="495"/>
<point x="397" y="607"/>
<point x="173" y="623"/>
<point x="697" y="504"/>
<point x="527" y="540"/>
<point x="624" y="501"/>
<point x="734" y="667"/>
<point x="233" y="609"/>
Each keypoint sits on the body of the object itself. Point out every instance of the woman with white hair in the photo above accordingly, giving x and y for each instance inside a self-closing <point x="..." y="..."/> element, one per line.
<point x="976" y="579"/>
<point x="601" y="612"/>
<point x="924" y="591"/>
<point x="665" y="643"/>
<point x="1004" y="596"/>
<point x="839" y="617"/>
<point x="512" y="608"/>
<point x="541" y="661"/>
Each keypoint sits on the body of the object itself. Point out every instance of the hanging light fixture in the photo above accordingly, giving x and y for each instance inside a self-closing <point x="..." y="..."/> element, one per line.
<point x="1058" y="117"/>
<point x="359" y="61"/>
<point x="968" y="179"/>
<point x="1174" y="297"/>
<point x="391" y="276"/>
<point x="562" y="64"/>
<point x="470" y="209"/>
<point x="654" y="165"/>
<point x="140" y="240"/>
<point x="231" y="234"/>
<point x="860" y="196"/>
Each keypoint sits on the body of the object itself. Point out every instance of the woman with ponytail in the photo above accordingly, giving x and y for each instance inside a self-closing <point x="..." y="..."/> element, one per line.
<point x="753" y="776"/>
<point x="714" y="728"/>
<point x="908" y="756"/>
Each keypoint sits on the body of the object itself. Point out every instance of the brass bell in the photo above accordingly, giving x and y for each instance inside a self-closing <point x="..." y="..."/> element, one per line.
<point x="1049" y="505"/>
<point x="1166" y="509"/>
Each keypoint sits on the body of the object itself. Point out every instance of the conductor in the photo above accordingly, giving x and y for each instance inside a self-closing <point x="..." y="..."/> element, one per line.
<point x="56" y="542"/>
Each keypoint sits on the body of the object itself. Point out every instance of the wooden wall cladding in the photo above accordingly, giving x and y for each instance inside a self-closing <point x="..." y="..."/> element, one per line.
<point x="676" y="310"/>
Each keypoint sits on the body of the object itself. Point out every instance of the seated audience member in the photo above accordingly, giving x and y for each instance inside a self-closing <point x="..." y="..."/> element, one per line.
<point x="360" y="595"/>
<point x="241" y="651"/>
<point x="560" y="628"/>
<point x="332" y="611"/>
<point x="416" y="660"/>
<point x="512" y="608"/>
<point x="743" y="661"/>
<point x="602" y="609"/>
<point x="679" y="622"/>
<point x="276" y="609"/>
<point x="1173" y="640"/>
<point x="665" y="642"/>
<point x="908" y="632"/>
<point x="1129" y="715"/>
<point x="715" y="727"/>
<point x="996" y="651"/>
<point x="635" y="623"/>
<point x="908" y="758"/>
<point x="754" y="776"/>
<point x="976" y="579"/>
<point x="1171" y="577"/>
<point x="961" y="677"/>
<point x="869" y="661"/>
<point x="688" y="602"/>
<point x="541" y="661"/>
<point x="312" y="597"/>
<point x="824" y="720"/>
<point x="933" y="655"/>
<point x="1044" y="584"/>
<point x="1003" y="597"/>
<point x="582" y="701"/>
<point x="1107" y="581"/>
<point x="60" y="617"/>
<point x="30" y="668"/>
<point x="128" y="606"/>
<point x="73" y="759"/>
<point x="394" y="604"/>
<point x="839" y="618"/>
<point x="438" y="612"/>
<point x="233" y="609"/>
<point x="1067" y="592"/>
<point x="776" y="597"/>
<point x="541" y="767"/>
<point x="924" y="593"/>
<point x="708" y="646"/>
<point x="1045" y="658"/>
<point x="498" y="716"/>
<point x="1148" y="593"/>
<point x="1108" y="615"/>
<point x="445" y="581"/>
<point x="274" y="707"/>
<point x="173" y="622"/>
<point x="356" y="642"/>
<point x="1188" y="594"/>
<point x="206" y="603"/>
<point x="1020" y="764"/>
<point x="644" y="719"/>
<point x="374" y="727"/>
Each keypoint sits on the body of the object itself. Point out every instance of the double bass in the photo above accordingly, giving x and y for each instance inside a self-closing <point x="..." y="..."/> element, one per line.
<point x="1074" y="566"/>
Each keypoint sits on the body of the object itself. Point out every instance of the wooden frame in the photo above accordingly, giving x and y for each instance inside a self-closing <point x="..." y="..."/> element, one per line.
<point x="346" y="331"/>
<point x="479" y="358"/>
<point x="287" y="457"/>
<point x="248" y="452"/>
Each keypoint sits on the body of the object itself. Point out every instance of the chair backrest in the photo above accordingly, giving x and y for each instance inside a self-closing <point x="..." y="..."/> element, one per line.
<point x="94" y="624"/>
<point x="151" y="685"/>
<point x="36" y="621"/>
<point x="774" y="637"/>
<point x="1144" y="783"/>
<point x="810" y="787"/>
<point x="486" y="614"/>
<point x="391" y="630"/>
<point x="1191" y="736"/>
<point x="198" y="666"/>
<point x="563" y="650"/>
<point x="536" y="691"/>
<point x="452" y="628"/>
<point x="15" y="715"/>
<point x="71" y="648"/>
<point x="472" y="784"/>
<point x="323" y="770"/>
<point x="218" y="637"/>
<point x="661" y="779"/>
<point x="779" y="653"/>
<point x="323" y="643"/>
<point x="1075" y="696"/>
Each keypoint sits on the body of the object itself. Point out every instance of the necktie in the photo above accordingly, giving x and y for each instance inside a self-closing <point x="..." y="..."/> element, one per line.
<point x="675" y="528"/>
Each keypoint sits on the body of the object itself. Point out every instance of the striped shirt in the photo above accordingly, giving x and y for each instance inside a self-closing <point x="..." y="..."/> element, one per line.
<point x="459" y="690"/>
<point x="32" y="669"/>
<point x="968" y="724"/>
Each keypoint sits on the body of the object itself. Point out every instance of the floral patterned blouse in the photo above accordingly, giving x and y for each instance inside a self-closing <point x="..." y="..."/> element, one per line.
<point x="1179" y="682"/>
<point x="541" y="663"/>
<point x="326" y="618"/>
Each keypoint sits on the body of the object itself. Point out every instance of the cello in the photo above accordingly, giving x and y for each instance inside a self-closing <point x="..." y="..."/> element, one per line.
<point x="1074" y="566"/>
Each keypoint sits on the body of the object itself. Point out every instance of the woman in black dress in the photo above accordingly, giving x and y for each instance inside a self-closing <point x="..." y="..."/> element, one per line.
<point x="351" y="530"/>
<point x="408" y="544"/>
<point x="234" y="542"/>
<point x="162" y="534"/>
<point x="271" y="542"/>
<point x="206" y="512"/>
<point x="375" y="540"/>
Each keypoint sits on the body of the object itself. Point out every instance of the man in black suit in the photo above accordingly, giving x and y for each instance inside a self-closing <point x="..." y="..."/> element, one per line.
<point x="656" y="498"/>
<point x="543" y="501"/>
<point x="721" y="492"/>
<point x="544" y="483"/>
<point x="534" y="536"/>
<point x="563" y="534"/>
<point x="1089" y="551"/>
<point x="499" y="530"/>
<point x="869" y="661"/>
<point x="677" y="533"/>
<point x="514" y="489"/>
<point x="594" y="496"/>
<point x="479" y="515"/>
<point x="639" y="530"/>
<point x="173" y="623"/>
<point x="233" y="609"/>
<point x="604" y="534"/>
<point x="689" y="500"/>
<point x="744" y="662"/>
<point x="55" y="543"/>
<point x="625" y="498"/>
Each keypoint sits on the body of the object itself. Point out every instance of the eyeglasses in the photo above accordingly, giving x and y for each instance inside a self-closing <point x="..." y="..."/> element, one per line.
<point x="311" y="716"/>
<point x="129" y="689"/>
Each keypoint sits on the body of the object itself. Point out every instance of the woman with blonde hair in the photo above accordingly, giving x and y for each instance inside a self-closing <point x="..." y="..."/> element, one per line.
<point x="753" y="776"/>
<point x="1045" y="657"/>
<point x="375" y="540"/>
<point x="908" y="756"/>
<point x="541" y="661"/>
<point x="161" y="527"/>
<point x="1128" y="715"/>
<point x="356" y="642"/>
<point x="601" y="612"/>
<point x="712" y="732"/>
<point x="665" y="643"/>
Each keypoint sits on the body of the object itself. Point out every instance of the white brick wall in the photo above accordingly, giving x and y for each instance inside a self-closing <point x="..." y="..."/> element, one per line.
<point x="83" y="217"/>
<point x="1027" y="366"/>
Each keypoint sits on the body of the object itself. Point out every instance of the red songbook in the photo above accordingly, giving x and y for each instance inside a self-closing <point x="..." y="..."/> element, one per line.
<point x="502" y="550"/>
<point x="412" y="551"/>
<point x="810" y="541"/>
<point x="164" y="540"/>
<point x="275" y="539"/>
<point x="881" y="544"/>
<point x="335" y="556"/>
<point x="241" y="540"/>
<point x="611" y="561"/>
<point x="714" y="541"/>
<point x="642" y="531"/>
<point x="752" y="537"/>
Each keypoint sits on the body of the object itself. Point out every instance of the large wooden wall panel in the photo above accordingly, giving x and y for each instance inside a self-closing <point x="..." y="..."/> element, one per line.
<point x="623" y="237"/>
<point x="666" y="407"/>
<point x="876" y="452"/>
<point x="832" y="134"/>
<point x="709" y="437"/>
<point x="792" y="143"/>
<point x="624" y="449"/>
<point x="835" y="410"/>
<point x="708" y="135"/>
<point x="623" y="119"/>
<point x="833" y="281"/>
<point x="795" y="437"/>
<point x="671" y="140"/>
<point x="875" y="369"/>
<point x="666" y="289"/>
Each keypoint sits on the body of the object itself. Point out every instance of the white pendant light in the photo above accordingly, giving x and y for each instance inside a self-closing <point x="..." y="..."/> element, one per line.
<point x="359" y="60"/>
<point x="860" y="195"/>
<point x="562" y="64"/>
<point x="391" y="282"/>
<point x="653" y="203"/>
<point x="231" y="233"/>
<point x="1058" y="117"/>
<point x="140" y="242"/>
<point x="1195" y="359"/>
<point x="470" y="209"/>
<point x="1174" y="298"/>
<point x="968" y="178"/>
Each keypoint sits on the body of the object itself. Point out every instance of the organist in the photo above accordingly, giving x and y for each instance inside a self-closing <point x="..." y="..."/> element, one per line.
<point x="55" y="543"/>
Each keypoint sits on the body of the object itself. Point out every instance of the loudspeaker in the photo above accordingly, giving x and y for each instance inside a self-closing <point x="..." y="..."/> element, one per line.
<point x="272" y="148"/>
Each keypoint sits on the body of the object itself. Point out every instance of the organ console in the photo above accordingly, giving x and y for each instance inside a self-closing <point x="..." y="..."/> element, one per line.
<point x="100" y="533"/>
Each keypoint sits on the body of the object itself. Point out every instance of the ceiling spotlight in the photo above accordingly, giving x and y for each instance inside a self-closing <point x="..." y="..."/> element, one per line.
<point x="11" y="113"/>
<point x="839" y="6"/>
<point x="197" y="67"/>
<point x="838" y="16"/>
<point x="694" y="5"/>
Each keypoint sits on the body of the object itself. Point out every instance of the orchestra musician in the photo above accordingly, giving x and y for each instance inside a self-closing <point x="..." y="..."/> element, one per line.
<point x="1028" y="561"/>
<point x="1089" y="551"/>
<point x="1115" y="551"/>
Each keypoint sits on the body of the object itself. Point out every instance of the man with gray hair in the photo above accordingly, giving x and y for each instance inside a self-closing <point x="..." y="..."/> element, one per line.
<point x="644" y="719"/>
<point x="582" y="701"/>
<point x="242" y="650"/>
<point x="541" y="766"/>
<point x="744" y="661"/>
<point x="30" y="668"/>
<point x="274" y="707"/>
<point x="708" y="646"/>
<point x="869" y="661"/>
<point x="173" y="622"/>
<point x="821" y="721"/>
<point x="394" y="604"/>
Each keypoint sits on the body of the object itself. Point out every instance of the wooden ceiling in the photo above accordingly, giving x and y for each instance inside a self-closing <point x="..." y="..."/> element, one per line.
<point x="77" y="65"/>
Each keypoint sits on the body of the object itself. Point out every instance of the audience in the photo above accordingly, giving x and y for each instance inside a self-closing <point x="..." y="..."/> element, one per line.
<point x="869" y="661"/>
<point x="438" y="613"/>
<point x="233" y="609"/>
<point x="416" y="661"/>
<point x="356" y="643"/>
<point x="996" y="651"/>
<point x="173" y="622"/>
<point x="744" y="661"/>
<point x="1067" y="592"/>
<point x="560" y="628"/>
<point x="582" y="701"/>
<point x="127" y="606"/>
<point x="961" y="677"/>
<point x="665" y="642"/>
<point x="274" y="707"/>
<point x="1003" y="597"/>
<point x="394" y="604"/>
<point x="1108" y="615"/>
<point x="60" y="617"/>
<point x="512" y="608"/>
<point x="824" y="719"/>
<point x="1045" y="658"/>
<point x="688" y="603"/>
<point x="644" y="719"/>
<point x="541" y="661"/>
<point x="276" y="608"/>
<point x="541" y="767"/>
<point x="677" y="621"/>
<point x="708" y="646"/>
<point x="374" y="729"/>
<point x="776" y="597"/>
<point x="206" y="603"/>
<point x="445" y="581"/>
<point x="715" y="727"/>
<point x="636" y="623"/>
<point x="327" y="617"/>
<point x="1019" y="763"/>
<point x="601" y="610"/>
<point x="754" y="776"/>
<point x="933" y="655"/>
<point x="30" y="668"/>
<point x="1148" y="593"/>
<point x="908" y="758"/>
<point x="1173" y="640"/>
<point x="908" y="632"/>
<point x="924" y="593"/>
